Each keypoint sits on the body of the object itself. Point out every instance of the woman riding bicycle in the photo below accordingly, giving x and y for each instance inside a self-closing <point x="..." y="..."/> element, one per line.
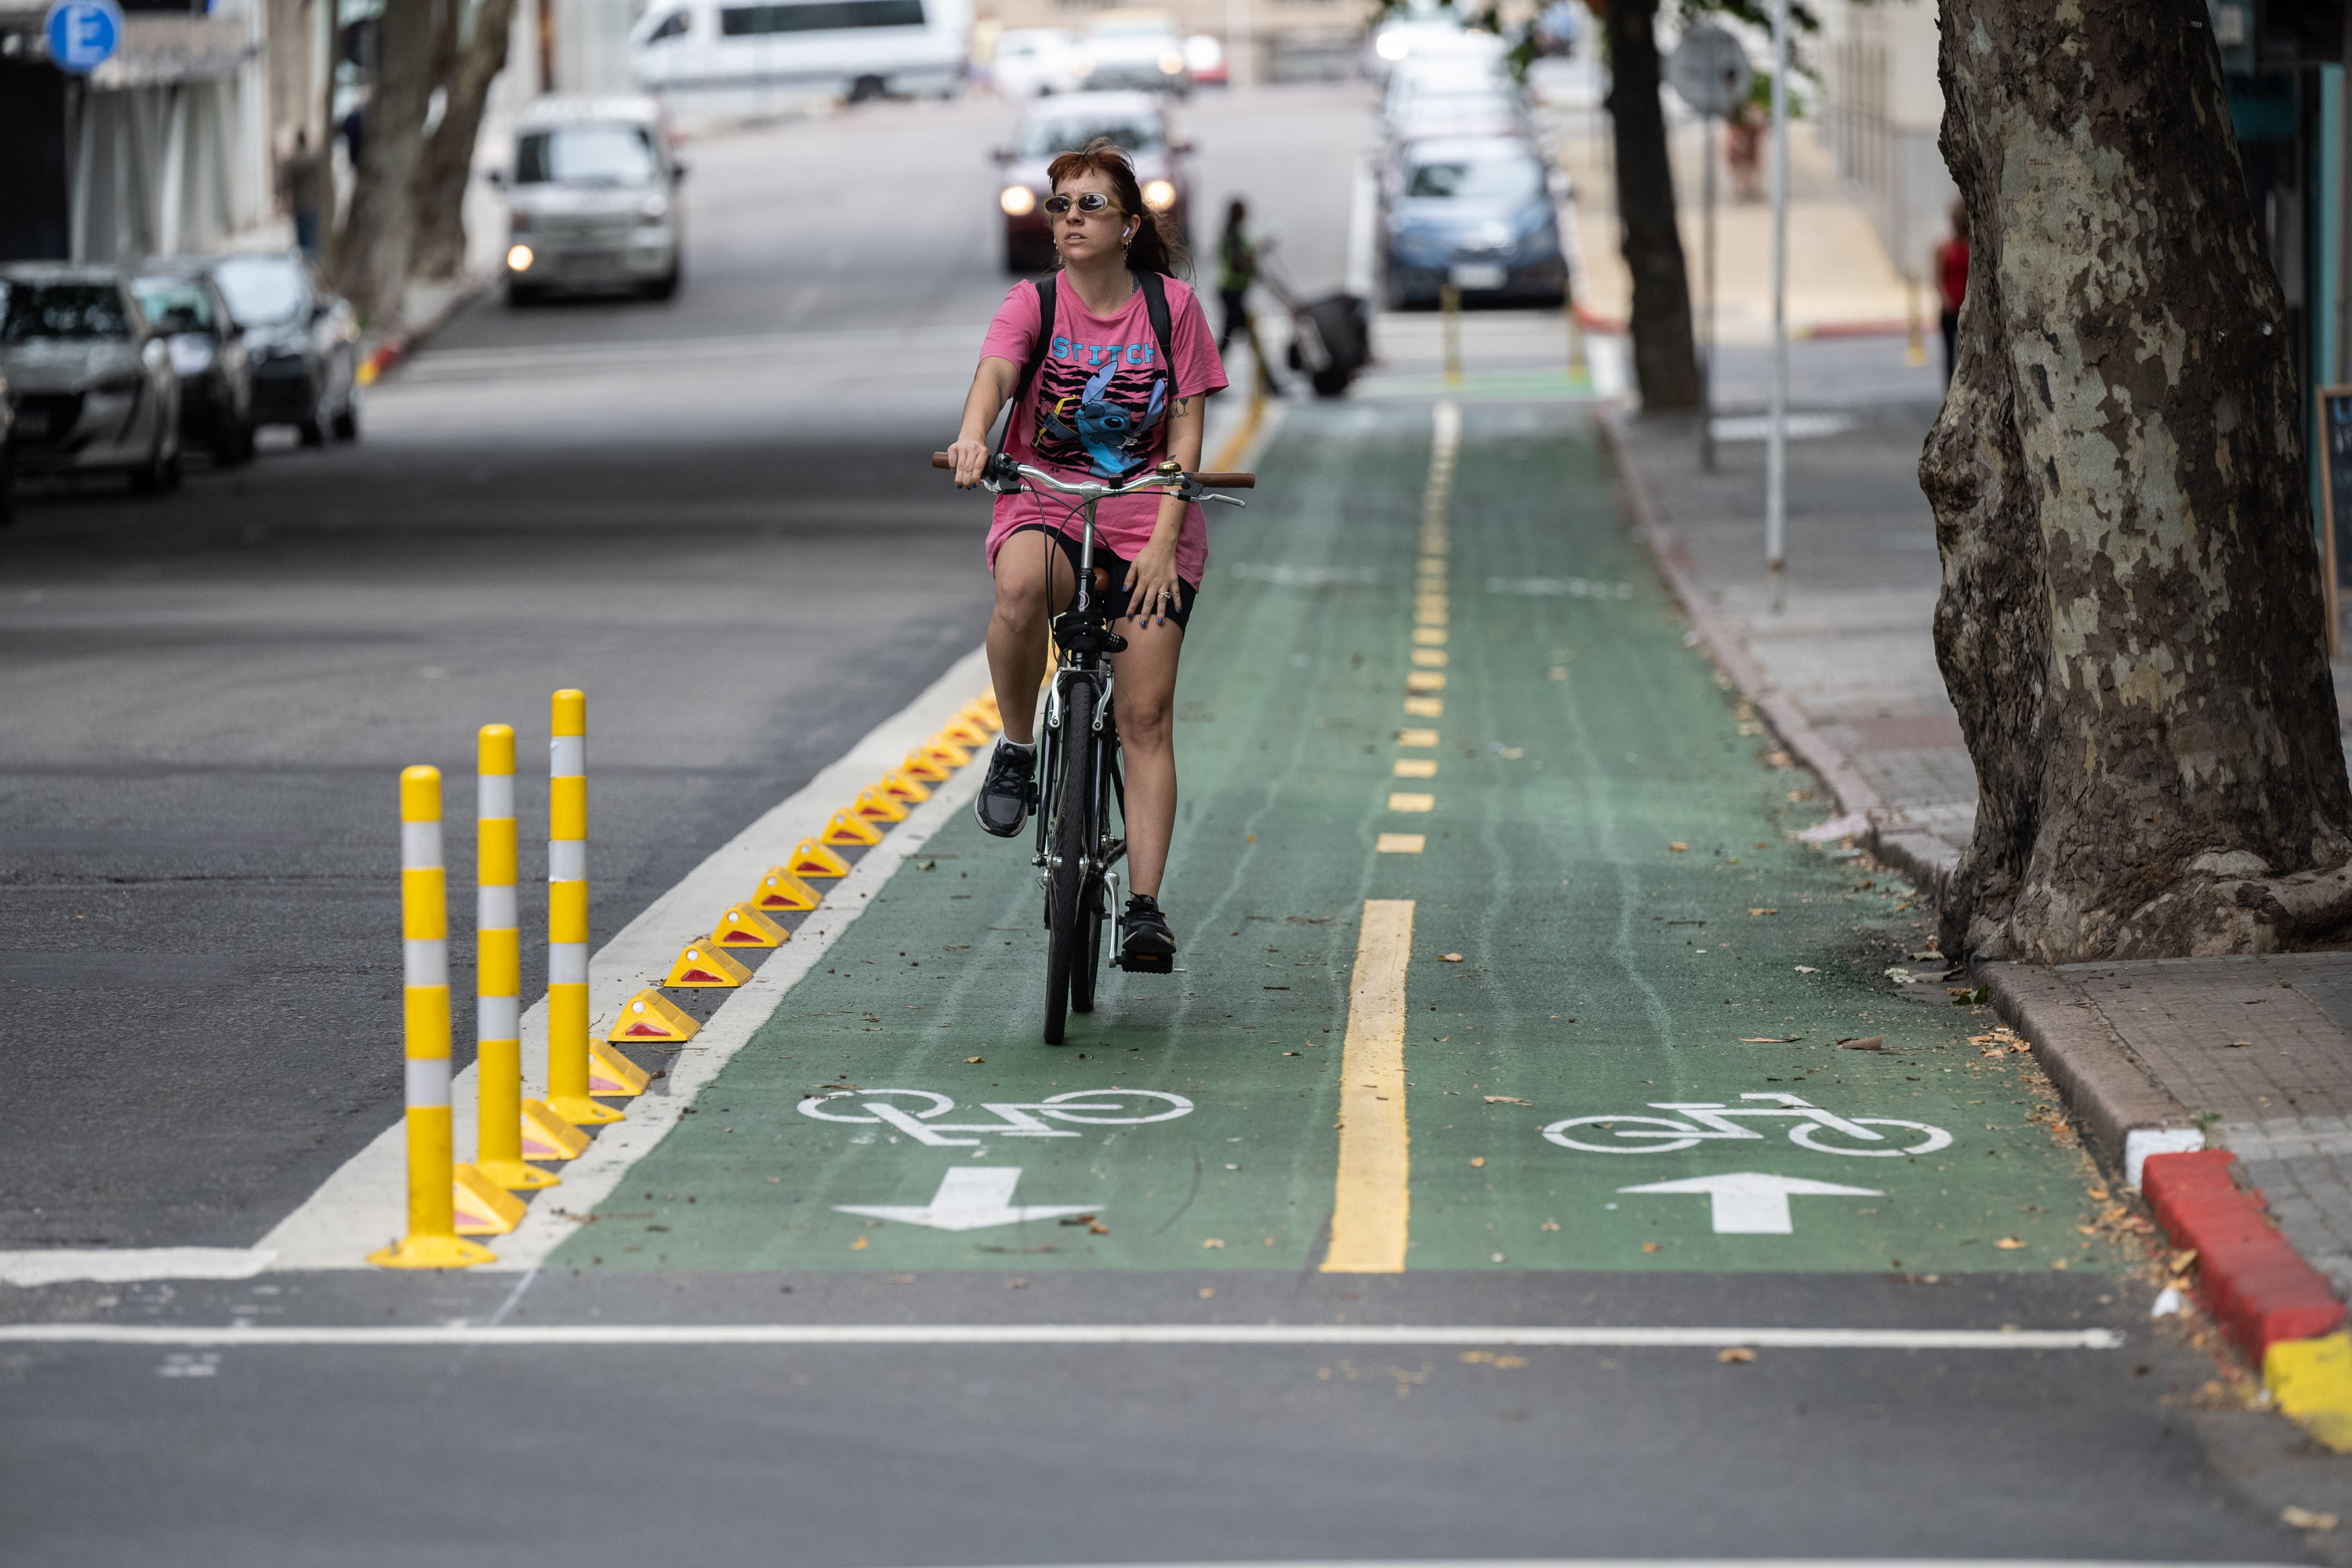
<point x="1116" y="392"/>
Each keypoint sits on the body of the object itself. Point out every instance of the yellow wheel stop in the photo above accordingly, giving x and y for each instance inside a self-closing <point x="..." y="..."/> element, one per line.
<point x="702" y="966"/>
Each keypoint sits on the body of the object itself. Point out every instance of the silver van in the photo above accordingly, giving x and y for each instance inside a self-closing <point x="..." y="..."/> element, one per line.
<point x="592" y="202"/>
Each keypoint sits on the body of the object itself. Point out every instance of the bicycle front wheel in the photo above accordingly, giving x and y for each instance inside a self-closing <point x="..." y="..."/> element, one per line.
<point x="1069" y="844"/>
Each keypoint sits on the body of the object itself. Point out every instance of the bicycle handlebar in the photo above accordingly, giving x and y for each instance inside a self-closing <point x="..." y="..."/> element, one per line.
<point x="1215" y="482"/>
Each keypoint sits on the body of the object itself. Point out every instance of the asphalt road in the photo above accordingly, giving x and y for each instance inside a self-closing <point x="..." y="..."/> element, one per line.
<point x="712" y="514"/>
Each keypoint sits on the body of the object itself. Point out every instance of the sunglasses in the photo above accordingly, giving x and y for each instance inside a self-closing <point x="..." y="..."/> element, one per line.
<point x="1089" y="202"/>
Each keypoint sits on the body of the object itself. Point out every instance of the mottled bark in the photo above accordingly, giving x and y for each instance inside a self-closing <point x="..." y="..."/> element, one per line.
<point x="2130" y="624"/>
<point x="371" y="258"/>
<point x="447" y="165"/>
<point x="1665" y="364"/>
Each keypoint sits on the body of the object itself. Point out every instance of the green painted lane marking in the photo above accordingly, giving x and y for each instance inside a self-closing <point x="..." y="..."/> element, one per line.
<point x="1602" y="972"/>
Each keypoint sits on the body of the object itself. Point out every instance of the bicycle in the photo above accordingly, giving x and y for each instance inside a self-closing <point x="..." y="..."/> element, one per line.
<point x="1078" y="776"/>
<point x="1665" y="1135"/>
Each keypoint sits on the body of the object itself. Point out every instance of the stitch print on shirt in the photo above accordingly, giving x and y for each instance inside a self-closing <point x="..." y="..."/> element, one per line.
<point x="1099" y="406"/>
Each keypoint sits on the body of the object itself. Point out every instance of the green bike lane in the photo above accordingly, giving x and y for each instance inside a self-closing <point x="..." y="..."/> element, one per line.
<point x="1602" y="828"/>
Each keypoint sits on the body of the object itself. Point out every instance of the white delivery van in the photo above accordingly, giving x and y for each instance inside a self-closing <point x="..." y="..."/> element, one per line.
<point x="856" y="48"/>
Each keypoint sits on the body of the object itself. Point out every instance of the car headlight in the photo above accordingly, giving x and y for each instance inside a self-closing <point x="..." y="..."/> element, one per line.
<point x="519" y="259"/>
<point x="1159" y="194"/>
<point x="1171" y="63"/>
<point x="654" y="208"/>
<point x="191" y="354"/>
<point x="1392" y="47"/>
<point x="1018" y="201"/>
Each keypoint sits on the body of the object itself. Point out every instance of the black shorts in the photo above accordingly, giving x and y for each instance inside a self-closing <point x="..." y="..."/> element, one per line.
<point x="1105" y="561"/>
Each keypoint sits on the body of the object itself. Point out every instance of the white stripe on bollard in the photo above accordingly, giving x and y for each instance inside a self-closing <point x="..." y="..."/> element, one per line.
<point x="567" y="756"/>
<point x="428" y="1083"/>
<point x="425" y="961"/>
<point x="420" y="846"/>
<point x="567" y="860"/>
<point x="494" y="909"/>
<point x="567" y="963"/>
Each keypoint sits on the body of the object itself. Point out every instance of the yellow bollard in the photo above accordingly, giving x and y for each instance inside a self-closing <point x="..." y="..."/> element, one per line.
<point x="497" y="971"/>
<point x="1578" y="370"/>
<point x="1449" y="303"/>
<point x="567" y="915"/>
<point x="432" y="1241"/>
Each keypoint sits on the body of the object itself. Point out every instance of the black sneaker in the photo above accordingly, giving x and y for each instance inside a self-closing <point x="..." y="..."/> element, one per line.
<point x="1002" y="803"/>
<point x="1145" y="944"/>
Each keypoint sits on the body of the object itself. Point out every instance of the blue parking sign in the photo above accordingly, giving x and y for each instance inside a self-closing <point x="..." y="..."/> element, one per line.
<point x="83" y="34"/>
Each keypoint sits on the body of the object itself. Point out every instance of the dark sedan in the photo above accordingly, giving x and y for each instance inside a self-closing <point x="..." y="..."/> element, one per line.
<point x="1477" y="213"/>
<point x="209" y="356"/>
<point x="304" y="340"/>
<point x="1137" y="121"/>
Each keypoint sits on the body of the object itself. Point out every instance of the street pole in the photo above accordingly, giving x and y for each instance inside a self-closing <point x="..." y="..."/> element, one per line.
<point x="1240" y="58"/>
<point x="1706" y="362"/>
<point x="1775" y="480"/>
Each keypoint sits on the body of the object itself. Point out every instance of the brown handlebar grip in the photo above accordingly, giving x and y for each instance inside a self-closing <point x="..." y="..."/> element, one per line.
<point x="1227" y="481"/>
<point x="941" y="460"/>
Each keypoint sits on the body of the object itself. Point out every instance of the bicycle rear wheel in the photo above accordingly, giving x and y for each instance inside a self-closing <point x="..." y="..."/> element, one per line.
<point x="1071" y="843"/>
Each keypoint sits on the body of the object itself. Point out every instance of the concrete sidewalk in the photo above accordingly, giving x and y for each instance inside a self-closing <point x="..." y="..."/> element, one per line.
<point x="2251" y="1055"/>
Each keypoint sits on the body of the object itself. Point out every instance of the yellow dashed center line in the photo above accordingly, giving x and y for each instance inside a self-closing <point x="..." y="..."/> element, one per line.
<point x="1369" y="1219"/>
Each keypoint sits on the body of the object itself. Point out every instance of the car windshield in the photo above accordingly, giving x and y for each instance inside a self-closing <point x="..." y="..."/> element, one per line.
<point x="262" y="291"/>
<point x="79" y="312"/>
<point x="175" y="304"/>
<point x="586" y="156"/>
<point x="1048" y="138"/>
<point x="1495" y="177"/>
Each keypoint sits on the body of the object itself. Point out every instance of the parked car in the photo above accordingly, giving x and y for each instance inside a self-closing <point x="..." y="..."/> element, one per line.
<point x="1204" y="56"/>
<point x="1141" y="50"/>
<point x="209" y="356"/>
<point x="302" y="341"/>
<point x="1476" y="212"/>
<point x="90" y="379"/>
<point x="1138" y="121"/>
<point x="1424" y="36"/>
<point x="1034" y="62"/>
<point x="593" y="201"/>
<point x="855" y="49"/>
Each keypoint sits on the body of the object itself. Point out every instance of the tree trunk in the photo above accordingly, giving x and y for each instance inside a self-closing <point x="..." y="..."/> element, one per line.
<point x="447" y="161"/>
<point x="1665" y="367"/>
<point x="2130" y="624"/>
<point x="371" y="253"/>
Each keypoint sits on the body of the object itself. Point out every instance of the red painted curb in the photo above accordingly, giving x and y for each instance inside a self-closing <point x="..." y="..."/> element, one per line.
<point x="2256" y="1286"/>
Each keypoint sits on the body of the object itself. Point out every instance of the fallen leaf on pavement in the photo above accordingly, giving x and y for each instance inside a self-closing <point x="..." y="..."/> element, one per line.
<point x="1205" y="1291"/>
<point x="2009" y="1244"/>
<point x="1098" y="1229"/>
<point x="1807" y="969"/>
<point x="1733" y="1354"/>
<point x="1764" y="911"/>
<point x="1213" y="1241"/>
<point x="1649" y="1247"/>
<point x="858" y="1245"/>
<point x="1770" y="1039"/>
<point x="975" y="1059"/>
<point x="2306" y="1519"/>
<point x="1479" y="1158"/>
<point x="1865" y="1043"/>
<point x="1506" y="1099"/>
<point x="1678" y="846"/>
<point x="1449" y="958"/>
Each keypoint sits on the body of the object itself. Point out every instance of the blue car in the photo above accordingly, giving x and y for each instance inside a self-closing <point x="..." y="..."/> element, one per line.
<point x="1477" y="212"/>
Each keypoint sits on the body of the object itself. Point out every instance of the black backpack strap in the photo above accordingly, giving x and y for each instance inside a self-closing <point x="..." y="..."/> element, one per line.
<point x="1038" y="352"/>
<point x="1155" y="302"/>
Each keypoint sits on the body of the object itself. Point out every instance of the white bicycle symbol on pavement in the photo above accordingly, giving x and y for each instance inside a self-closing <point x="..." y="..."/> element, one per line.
<point x="1709" y="1119"/>
<point x="1085" y="1107"/>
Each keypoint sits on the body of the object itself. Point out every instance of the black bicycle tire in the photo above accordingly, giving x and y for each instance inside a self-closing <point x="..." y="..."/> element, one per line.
<point x="1070" y="848"/>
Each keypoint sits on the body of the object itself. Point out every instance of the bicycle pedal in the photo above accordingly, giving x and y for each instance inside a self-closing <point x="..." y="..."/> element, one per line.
<point x="1149" y="963"/>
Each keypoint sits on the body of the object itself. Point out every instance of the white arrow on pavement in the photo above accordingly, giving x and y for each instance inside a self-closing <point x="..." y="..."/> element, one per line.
<point x="1749" y="1202"/>
<point x="974" y="1197"/>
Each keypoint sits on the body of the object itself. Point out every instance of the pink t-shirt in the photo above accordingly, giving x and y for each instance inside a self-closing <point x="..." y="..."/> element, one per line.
<point x="1099" y="409"/>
